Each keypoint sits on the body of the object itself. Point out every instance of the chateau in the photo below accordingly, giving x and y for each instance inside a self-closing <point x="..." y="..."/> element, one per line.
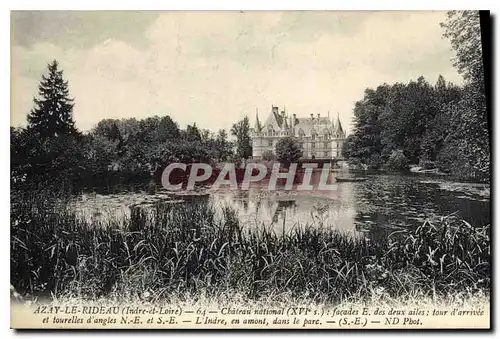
<point x="319" y="137"/>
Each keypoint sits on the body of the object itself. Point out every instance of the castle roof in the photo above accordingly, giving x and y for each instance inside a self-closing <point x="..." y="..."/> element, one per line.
<point x="317" y="124"/>
<point x="277" y="120"/>
<point x="258" y="126"/>
<point x="338" y="127"/>
<point x="281" y="122"/>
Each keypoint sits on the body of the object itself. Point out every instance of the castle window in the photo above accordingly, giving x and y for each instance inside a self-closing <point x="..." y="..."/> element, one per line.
<point x="326" y="134"/>
<point x="313" y="145"/>
<point x="270" y="143"/>
<point x="301" y="133"/>
<point x="326" y="153"/>
<point x="313" y="134"/>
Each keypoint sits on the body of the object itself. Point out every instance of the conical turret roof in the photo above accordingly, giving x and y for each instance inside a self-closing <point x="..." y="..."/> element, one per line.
<point x="338" y="130"/>
<point x="258" y="126"/>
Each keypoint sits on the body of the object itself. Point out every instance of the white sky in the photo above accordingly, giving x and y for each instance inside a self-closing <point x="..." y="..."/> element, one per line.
<point x="212" y="68"/>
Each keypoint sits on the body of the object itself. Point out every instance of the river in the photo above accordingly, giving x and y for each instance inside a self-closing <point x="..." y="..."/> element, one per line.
<point x="377" y="206"/>
<point x="381" y="204"/>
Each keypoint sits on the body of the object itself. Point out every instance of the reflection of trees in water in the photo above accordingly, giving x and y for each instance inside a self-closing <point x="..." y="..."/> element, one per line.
<point x="390" y="203"/>
<point x="281" y="208"/>
<point x="396" y="202"/>
<point x="241" y="198"/>
<point x="257" y="206"/>
<point x="197" y="198"/>
<point x="299" y="208"/>
<point x="245" y="204"/>
<point x="269" y="204"/>
<point x="376" y="207"/>
<point x="321" y="208"/>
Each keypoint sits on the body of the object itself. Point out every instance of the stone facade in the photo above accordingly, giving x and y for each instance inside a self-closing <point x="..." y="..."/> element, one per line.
<point x="319" y="137"/>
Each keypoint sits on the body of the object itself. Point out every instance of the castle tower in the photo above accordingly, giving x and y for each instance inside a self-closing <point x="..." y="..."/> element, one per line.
<point x="258" y="127"/>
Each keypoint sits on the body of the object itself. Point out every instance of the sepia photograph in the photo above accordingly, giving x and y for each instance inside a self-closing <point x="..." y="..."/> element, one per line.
<point x="250" y="169"/>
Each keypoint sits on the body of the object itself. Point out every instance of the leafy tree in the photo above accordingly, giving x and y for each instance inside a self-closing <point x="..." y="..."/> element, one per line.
<point x="365" y="144"/>
<point x="167" y="129"/>
<point x="409" y="110"/>
<point x="18" y="156"/>
<point x="463" y="30"/>
<point x="241" y="130"/>
<point x="53" y="112"/>
<point x="426" y="123"/>
<point x="469" y="136"/>
<point x="206" y="136"/>
<point x="439" y="127"/>
<point x="193" y="133"/>
<point x="223" y="146"/>
<point x="288" y="151"/>
<point x="39" y="161"/>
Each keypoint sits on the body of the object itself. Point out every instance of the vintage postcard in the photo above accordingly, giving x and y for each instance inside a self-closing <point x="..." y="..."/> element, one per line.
<point x="250" y="170"/>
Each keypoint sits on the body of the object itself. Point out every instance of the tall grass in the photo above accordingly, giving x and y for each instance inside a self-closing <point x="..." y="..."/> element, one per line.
<point x="196" y="247"/>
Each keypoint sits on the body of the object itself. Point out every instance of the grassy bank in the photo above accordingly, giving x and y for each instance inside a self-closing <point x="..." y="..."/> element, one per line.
<point x="199" y="249"/>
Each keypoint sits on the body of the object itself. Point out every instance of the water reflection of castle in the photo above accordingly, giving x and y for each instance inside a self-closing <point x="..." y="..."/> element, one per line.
<point x="319" y="137"/>
<point x="288" y="210"/>
<point x="281" y="209"/>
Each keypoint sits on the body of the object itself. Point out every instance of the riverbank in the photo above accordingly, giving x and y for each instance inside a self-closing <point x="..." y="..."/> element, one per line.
<point x="198" y="248"/>
<point x="421" y="170"/>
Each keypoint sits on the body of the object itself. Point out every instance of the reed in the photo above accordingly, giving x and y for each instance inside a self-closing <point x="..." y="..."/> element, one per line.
<point x="196" y="248"/>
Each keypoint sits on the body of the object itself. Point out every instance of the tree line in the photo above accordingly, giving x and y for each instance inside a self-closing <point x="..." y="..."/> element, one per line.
<point x="442" y="126"/>
<point x="51" y="147"/>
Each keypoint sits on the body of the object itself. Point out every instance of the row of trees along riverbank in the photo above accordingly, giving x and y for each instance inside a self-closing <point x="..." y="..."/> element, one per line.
<point x="51" y="149"/>
<point x="443" y="126"/>
<point x="116" y="151"/>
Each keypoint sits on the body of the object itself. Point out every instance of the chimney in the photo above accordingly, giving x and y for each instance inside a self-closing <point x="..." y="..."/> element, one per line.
<point x="312" y="115"/>
<point x="318" y="115"/>
<point x="275" y="109"/>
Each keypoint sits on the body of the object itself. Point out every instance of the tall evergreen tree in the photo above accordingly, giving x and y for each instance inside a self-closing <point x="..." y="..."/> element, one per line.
<point x="223" y="145"/>
<point x="53" y="111"/>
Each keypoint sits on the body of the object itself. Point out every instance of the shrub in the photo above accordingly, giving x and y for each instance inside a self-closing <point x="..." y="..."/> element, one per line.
<point x="374" y="162"/>
<point x="398" y="161"/>
<point x="427" y="164"/>
<point x="268" y="155"/>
